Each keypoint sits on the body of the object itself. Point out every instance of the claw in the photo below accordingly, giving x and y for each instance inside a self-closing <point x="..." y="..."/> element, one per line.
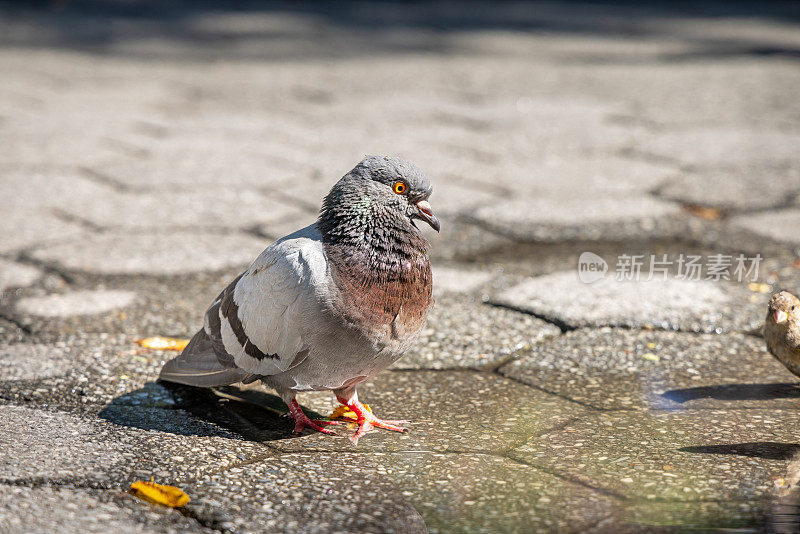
<point x="367" y="421"/>
<point x="302" y="421"/>
<point x="316" y="424"/>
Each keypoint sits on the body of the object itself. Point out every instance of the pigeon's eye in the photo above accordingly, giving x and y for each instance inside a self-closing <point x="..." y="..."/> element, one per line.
<point x="399" y="187"/>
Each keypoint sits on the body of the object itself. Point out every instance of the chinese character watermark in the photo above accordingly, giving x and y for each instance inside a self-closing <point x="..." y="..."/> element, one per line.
<point x="688" y="267"/>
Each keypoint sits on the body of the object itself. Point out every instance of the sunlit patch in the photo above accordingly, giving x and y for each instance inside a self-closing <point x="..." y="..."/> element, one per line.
<point x="163" y="343"/>
<point x="781" y="316"/>
<point x="159" y="494"/>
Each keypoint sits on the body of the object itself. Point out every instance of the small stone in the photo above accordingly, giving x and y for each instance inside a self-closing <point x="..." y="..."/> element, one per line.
<point x="76" y="303"/>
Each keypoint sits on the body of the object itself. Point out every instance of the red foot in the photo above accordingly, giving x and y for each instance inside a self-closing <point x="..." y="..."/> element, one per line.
<point x="367" y="420"/>
<point x="302" y="421"/>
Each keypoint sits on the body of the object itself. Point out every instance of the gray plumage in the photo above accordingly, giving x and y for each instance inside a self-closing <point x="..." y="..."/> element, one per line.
<point x="782" y="330"/>
<point x="330" y="305"/>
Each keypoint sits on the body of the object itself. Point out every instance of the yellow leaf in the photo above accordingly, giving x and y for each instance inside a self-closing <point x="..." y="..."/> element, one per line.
<point x="759" y="288"/>
<point x="704" y="212"/>
<point x="343" y="412"/>
<point x="163" y="343"/>
<point x="651" y="345"/>
<point x="165" y="495"/>
<point x="650" y="356"/>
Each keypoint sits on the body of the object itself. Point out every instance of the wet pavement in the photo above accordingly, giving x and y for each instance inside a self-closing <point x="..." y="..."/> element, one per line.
<point x="149" y="152"/>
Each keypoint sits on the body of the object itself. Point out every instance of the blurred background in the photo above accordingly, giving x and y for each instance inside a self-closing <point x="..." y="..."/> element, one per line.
<point x="240" y="115"/>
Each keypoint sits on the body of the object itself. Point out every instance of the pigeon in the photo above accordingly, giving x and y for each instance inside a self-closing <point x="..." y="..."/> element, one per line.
<point x="782" y="330"/>
<point x="330" y="305"/>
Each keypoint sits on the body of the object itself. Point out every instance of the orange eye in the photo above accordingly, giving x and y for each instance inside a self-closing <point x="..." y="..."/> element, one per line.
<point x="399" y="188"/>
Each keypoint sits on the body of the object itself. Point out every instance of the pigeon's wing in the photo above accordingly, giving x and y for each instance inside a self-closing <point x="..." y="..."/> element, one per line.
<point x="256" y="326"/>
<point x="204" y="362"/>
<point x="200" y="365"/>
<point x="266" y="320"/>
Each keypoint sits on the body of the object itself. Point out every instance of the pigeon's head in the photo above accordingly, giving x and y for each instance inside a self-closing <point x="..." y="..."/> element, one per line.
<point x="782" y="307"/>
<point x="379" y="193"/>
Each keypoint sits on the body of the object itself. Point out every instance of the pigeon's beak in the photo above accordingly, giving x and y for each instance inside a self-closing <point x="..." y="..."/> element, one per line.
<point x="425" y="212"/>
<point x="780" y="316"/>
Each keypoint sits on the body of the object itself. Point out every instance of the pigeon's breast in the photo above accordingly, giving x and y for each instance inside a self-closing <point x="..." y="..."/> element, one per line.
<point x="387" y="301"/>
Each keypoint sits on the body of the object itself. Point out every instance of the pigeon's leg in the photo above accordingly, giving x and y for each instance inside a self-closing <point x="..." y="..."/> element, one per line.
<point x="301" y="420"/>
<point x="366" y="420"/>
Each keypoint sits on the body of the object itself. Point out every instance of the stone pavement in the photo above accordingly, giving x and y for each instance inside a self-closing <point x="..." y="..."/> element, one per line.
<point x="149" y="151"/>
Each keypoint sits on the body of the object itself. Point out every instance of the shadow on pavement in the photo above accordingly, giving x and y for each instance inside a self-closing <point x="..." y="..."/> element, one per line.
<point x="259" y="29"/>
<point x="768" y="450"/>
<point x="734" y="392"/>
<point x="253" y="415"/>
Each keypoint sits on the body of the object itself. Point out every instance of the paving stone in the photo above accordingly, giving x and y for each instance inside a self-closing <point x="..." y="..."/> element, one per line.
<point x="278" y="228"/>
<point x="622" y="369"/>
<point x="463" y="240"/>
<point x="780" y="225"/>
<point x="124" y="445"/>
<point x="304" y="493"/>
<point x="220" y="164"/>
<point x="30" y="361"/>
<point x="32" y="439"/>
<point x="40" y="229"/>
<point x="446" y="417"/>
<point x="720" y="188"/>
<point x="463" y="492"/>
<point x="553" y="218"/>
<point x="453" y="198"/>
<point x="14" y="275"/>
<point x="230" y="207"/>
<point x="734" y="148"/>
<point x="602" y="175"/>
<point x="153" y="253"/>
<point x="76" y="303"/>
<point x="54" y="509"/>
<point x="456" y="280"/>
<point x="172" y="305"/>
<point x="726" y="457"/>
<point x="671" y="304"/>
<point x="463" y="332"/>
<point x="104" y="369"/>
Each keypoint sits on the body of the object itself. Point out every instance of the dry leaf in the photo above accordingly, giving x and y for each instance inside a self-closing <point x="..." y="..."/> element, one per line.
<point x="343" y="412"/>
<point x="650" y="356"/>
<point x="163" y="343"/>
<point x="709" y="214"/>
<point x="164" y="495"/>
<point x="759" y="288"/>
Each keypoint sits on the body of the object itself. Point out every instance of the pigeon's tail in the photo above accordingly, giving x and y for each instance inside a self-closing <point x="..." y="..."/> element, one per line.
<point x="199" y="365"/>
